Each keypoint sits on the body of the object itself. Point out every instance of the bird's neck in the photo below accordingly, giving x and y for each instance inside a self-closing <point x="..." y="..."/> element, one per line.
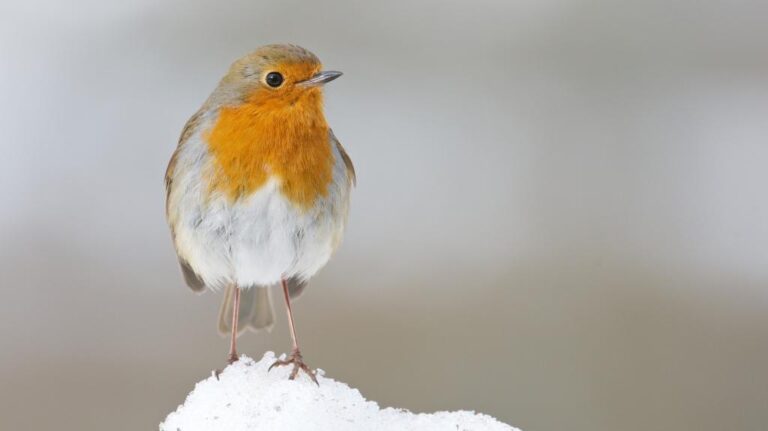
<point x="254" y="142"/>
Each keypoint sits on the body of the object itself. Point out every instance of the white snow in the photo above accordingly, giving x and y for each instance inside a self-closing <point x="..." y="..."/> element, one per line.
<point x="248" y="398"/>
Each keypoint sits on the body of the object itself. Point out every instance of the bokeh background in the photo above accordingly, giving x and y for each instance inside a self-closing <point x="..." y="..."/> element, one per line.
<point x="561" y="218"/>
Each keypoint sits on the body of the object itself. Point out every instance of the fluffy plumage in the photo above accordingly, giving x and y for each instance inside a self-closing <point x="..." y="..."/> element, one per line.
<point x="258" y="187"/>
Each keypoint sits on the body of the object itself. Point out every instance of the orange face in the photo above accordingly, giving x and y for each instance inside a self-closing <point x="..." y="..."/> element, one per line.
<point x="288" y="91"/>
<point x="276" y="131"/>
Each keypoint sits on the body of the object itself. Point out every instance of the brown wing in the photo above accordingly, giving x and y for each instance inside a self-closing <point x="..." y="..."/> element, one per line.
<point x="190" y="277"/>
<point x="186" y="132"/>
<point x="347" y="160"/>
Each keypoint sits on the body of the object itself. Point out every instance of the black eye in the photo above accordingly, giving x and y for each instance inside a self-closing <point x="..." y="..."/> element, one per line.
<point x="274" y="79"/>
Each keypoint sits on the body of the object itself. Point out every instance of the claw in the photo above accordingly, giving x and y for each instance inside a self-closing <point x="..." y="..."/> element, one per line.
<point x="298" y="364"/>
<point x="230" y="360"/>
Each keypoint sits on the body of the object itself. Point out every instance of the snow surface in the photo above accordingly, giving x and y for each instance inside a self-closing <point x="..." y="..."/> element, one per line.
<point x="248" y="398"/>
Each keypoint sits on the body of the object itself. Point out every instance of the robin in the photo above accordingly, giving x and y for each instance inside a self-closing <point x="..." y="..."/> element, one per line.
<point x="257" y="191"/>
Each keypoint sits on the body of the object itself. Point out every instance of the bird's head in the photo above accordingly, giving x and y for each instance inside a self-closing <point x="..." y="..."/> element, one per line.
<point x="270" y="123"/>
<point x="274" y="77"/>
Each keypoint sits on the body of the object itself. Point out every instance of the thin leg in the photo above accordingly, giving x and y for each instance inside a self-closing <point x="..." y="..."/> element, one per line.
<point x="295" y="356"/>
<point x="290" y="314"/>
<point x="235" y="315"/>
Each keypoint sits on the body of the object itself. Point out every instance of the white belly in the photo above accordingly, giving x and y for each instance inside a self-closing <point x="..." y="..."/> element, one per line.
<point x="258" y="240"/>
<point x="255" y="240"/>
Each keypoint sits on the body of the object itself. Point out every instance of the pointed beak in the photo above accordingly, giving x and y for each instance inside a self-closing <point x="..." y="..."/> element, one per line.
<point x="320" y="78"/>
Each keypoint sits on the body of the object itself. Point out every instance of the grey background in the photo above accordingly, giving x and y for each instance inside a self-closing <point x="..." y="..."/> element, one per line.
<point x="560" y="218"/>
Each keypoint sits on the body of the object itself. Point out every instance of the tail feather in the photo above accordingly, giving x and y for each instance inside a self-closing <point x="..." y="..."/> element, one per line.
<point x="255" y="313"/>
<point x="296" y="287"/>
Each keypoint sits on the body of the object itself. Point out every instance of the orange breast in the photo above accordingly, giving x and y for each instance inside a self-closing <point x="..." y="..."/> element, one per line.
<point x="255" y="141"/>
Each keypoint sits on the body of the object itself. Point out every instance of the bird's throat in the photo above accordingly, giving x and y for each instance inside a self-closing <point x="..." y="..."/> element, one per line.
<point x="254" y="142"/>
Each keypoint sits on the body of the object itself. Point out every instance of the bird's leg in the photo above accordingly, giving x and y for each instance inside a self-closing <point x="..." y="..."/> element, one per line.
<point x="235" y="314"/>
<point x="295" y="356"/>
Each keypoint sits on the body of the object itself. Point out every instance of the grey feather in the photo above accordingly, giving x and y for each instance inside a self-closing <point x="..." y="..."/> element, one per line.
<point x="296" y="287"/>
<point x="255" y="311"/>
<point x="193" y="281"/>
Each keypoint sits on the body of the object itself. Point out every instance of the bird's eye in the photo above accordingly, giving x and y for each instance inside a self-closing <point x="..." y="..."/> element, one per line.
<point x="274" y="79"/>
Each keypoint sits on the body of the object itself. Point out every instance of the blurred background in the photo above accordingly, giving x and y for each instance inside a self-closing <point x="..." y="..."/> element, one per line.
<point x="561" y="216"/>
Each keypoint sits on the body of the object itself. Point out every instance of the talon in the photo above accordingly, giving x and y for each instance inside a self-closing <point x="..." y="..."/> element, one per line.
<point x="298" y="364"/>
<point x="278" y="362"/>
<point x="311" y="374"/>
<point x="230" y="360"/>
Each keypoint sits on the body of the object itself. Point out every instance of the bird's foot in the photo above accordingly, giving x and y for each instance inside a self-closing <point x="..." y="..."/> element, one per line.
<point x="231" y="359"/>
<point x="298" y="364"/>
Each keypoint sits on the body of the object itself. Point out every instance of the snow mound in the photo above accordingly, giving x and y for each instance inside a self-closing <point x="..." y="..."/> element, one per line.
<point x="248" y="398"/>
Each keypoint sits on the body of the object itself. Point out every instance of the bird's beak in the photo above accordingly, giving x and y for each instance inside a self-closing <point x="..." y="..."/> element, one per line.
<point x="320" y="78"/>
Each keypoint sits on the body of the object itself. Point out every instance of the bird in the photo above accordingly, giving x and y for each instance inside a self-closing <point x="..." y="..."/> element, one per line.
<point x="258" y="190"/>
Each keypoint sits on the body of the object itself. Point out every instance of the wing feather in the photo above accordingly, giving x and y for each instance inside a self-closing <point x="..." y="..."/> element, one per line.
<point x="190" y="277"/>
<point x="347" y="160"/>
